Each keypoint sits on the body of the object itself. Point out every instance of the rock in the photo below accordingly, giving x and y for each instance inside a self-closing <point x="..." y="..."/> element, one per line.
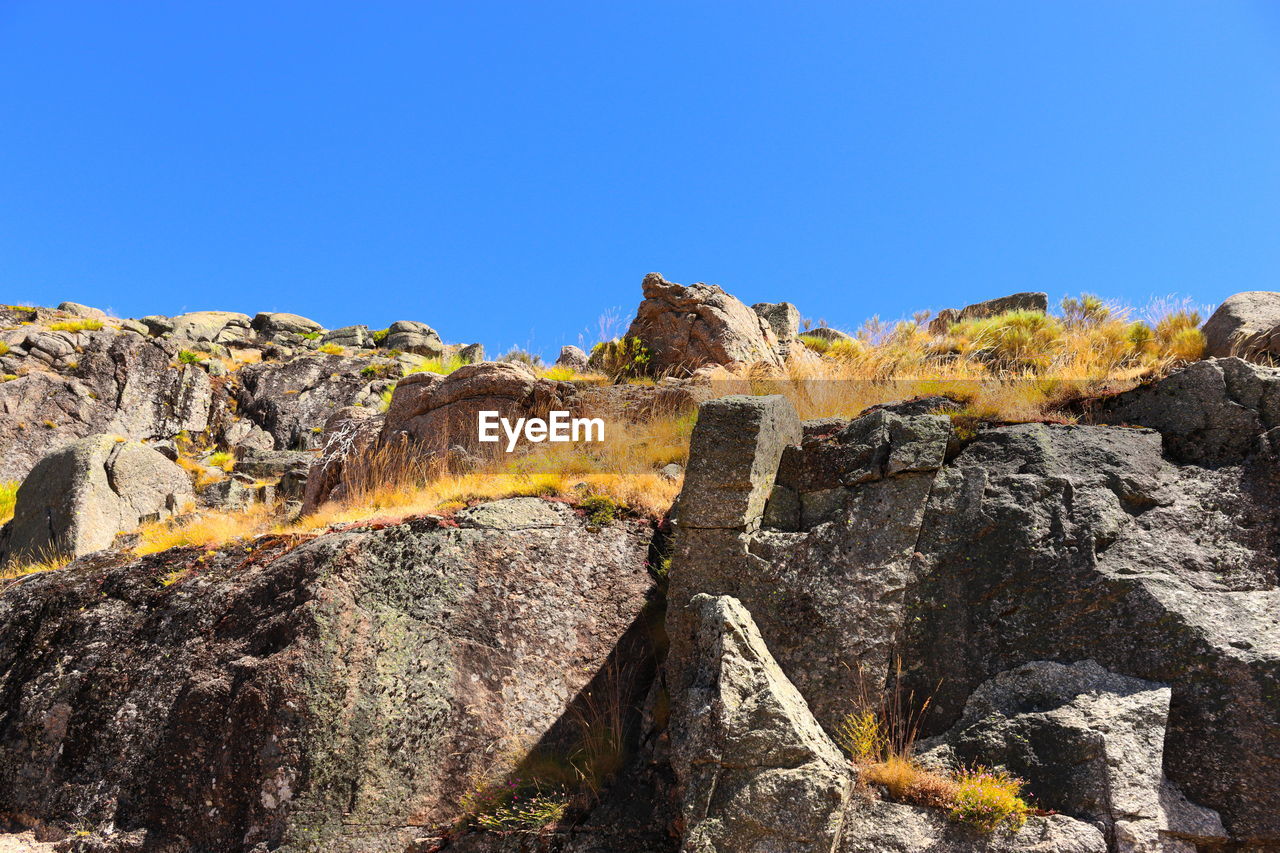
<point x="1210" y="412"/>
<point x="411" y="336"/>
<point x="271" y="323"/>
<point x="292" y="400"/>
<point x="216" y="326"/>
<point x="349" y="437"/>
<point x="672" y="471"/>
<point x="879" y="826"/>
<point x="237" y="493"/>
<point x="471" y="354"/>
<point x="826" y="333"/>
<point x="782" y="317"/>
<point x="78" y="498"/>
<point x="514" y="514"/>
<point x="991" y="308"/>
<point x="1246" y="325"/>
<point x="355" y="337"/>
<point x="157" y="325"/>
<point x="135" y="326"/>
<point x="1090" y="743"/>
<point x="75" y="309"/>
<point x="437" y="412"/>
<point x="734" y="453"/>
<point x="685" y="328"/>
<point x="336" y="694"/>
<point x="572" y="357"/>
<point x="755" y="770"/>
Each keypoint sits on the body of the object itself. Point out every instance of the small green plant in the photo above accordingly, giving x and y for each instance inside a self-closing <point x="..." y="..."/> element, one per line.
<point x="8" y="497"/>
<point x="89" y="325"/>
<point x="1088" y="310"/>
<point x="989" y="799"/>
<point x="862" y="736"/>
<point x="8" y="377"/>
<point x="621" y="358"/>
<point x="600" y="509"/>
<point x="310" y="336"/>
<point x="384" y="400"/>
<point x="331" y="349"/>
<point x="443" y="366"/>
<point x="380" y="336"/>
<point x="818" y="343"/>
<point x="186" y="356"/>
<point x="222" y="459"/>
<point x="4" y="348"/>
<point x="514" y="806"/>
<point x="376" y="371"/>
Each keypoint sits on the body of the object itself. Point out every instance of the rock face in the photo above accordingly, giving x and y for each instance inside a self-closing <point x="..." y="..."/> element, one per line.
<point x="756" y="770"/>
<point x="685" y="328"/>
<point x="214" y="326"/>
<point x="78" y="498"/>
<point x="1247" y="325"/>
<point x="269" y="323"/>
<point x="349" y="435"/>
<point x="1014" y="302"/>
<point x="1089" y="743"/>
<point x="332" y="695"/>
<point x="879" y="826"/>
<point x="292" y="400"/>
<point x="414" y="337"/>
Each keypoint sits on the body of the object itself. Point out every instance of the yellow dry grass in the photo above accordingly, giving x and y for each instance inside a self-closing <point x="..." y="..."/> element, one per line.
<point x="207" y="529"/>
<point x="40" y="563"/>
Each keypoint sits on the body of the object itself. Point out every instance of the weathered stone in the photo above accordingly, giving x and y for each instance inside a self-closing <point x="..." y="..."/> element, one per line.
<point x="685" y="328"/>
<point x="78" y="498"/>
<point x="268" y="323"/>
<point x="415" y="337"/>
<point x="756" y="771"/>
<point x="879" y="826"/>
<point x="992" y="307"/>
<point x="1090" y="743"/>
<point x="75" y="309"/>
<point x="157" y="324"/>
<point x="292" y="400"/>
<point x="1246" y="325"/>
<point x="572" y="357"/>
<point x="1210" y="412"/>
<point x="734" y="453"/>
<point x="356" y="337"/>
<point x="339" y="695"/>
<point x="209" y="325"/>
<point x="471" y="354"/>
<point x="515" y="514"/>
<point x="349" y="435"/>
<point x="784" y="319"/>
<point x="827" y="333"/>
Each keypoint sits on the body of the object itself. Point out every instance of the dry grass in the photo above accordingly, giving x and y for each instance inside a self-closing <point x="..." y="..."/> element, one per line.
<point x="208" y="529"/>
<point x="8" y="498"/>
<point x="41" y="563"/>
<point x="88" y="325"/>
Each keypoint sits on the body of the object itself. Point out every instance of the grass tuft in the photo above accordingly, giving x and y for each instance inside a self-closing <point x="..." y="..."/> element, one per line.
<point x="86" y="325"/>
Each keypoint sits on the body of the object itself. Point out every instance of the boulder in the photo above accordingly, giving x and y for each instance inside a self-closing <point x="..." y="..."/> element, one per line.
<point x="784" y="319"/>
<point x="216" y="326"/>
<point x="992" y="307"/>
<point x="1210" y="412"/>
<point x="338" y="694"/>
<point x="349" y="436"/>
<point x="685" y="328"/>
<point x="157" y="324"/>
<point x="436" y="412"/>
<point x="355" y="337"/>
<point x="75" y="309"/>
<point x="572" y="357"/>
<point x="78" y="498"/>
<point x="271" y="323"/>
<point x="292" y="400"/>
<point x="414" y="337"/>
<point x="826" y="333"/>
<point x="471" y="354"/>
<point x="755" y="770"/>
<point x="1247" y="325"/>
<point x="880" y="826"/>
<point x="1089" y="743"/>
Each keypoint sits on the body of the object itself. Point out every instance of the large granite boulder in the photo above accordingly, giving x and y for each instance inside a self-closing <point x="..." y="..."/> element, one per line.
<point x="1014" y="302"/>
<point x="77" y="499"/>
<point x="412" y="336"/>
<point x="339" y="694"/>
<point x="755" y="770"/>
<point x="350" y="434"/>
<point x="1246" y="325"/>
<point x="685" y="328"/>
<point x="1089" y="743"/>
<point x="272" y="323"/>
<point x="881" y="826"/>
<point x="215" y="326"/>
<point x="572" y="357"/>
<point x="75" y="309"/>
<point x="292" y="400"/>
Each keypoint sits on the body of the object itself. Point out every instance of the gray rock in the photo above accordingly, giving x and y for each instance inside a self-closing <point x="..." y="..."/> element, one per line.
<point x="348" y="439"/>
<point x="471" y="354"/>
<point x="685" y="328"/>
<point x="827" y="333"/>
<point x="356" y="337"/>
<point x="1247" y="325"/>
<point x="136" y="326"/>
<point x="514" y="514"/>
<point x="734" y="453"/>
<point x="269" y="323"/>
<point x="878" y="826"/>
<point x="755" y="770"/>
<point x="782" y="317"/>
<point x="292" y="400"/>
<point x="75" y="309"/>
<point x="414" y="337"/>
<point x="157" y="324"/>
<point x="572" y="357"/>
<point x="672" y="471"/>
<point x="78" y="498"/>
<point x="992" y="307"/>
<point x="217" y="326"/>
<point x="1090" y="743"/>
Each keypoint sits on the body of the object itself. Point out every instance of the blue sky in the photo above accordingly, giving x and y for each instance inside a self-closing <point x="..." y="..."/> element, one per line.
<point x="508" y="172"/>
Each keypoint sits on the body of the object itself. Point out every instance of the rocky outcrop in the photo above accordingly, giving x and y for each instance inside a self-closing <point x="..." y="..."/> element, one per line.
<point x="214" y="326"/>
<point x="1246" y="325"/>
<point x="292" y="400"/>
<point x="271" y="323"/>
<point x="349" y="435"/>
<point x="1015" y="302"/>
<point x="756" y="770"/>
<point x="784" y="319"/>
<point x="78" y="498"/>
<point x="685" y="328"/>
<point x="880" y="826"/>
<point x="572" y="357"/>
<point x="75" y="309"/>
<point x="1090" y="743"/>
<point x="338" y="694"/>
<point x="412" y="336"/>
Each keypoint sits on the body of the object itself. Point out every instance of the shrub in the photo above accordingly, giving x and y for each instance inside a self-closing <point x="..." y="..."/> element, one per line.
<point x="522" y="356"/>
<point x="988" y="799"/>
<point x="376" y="371"/>
<point x="309" y="336"/>
<point x="514" y="806"/>
<point x="817" y="343"/>
<point x="443" y="366"/>
<point x="222" y="459"/>
<point x="331" y="349"/>
<point x="600" y="509"/>
<point x="560" y="374"/>
<point x="8" y="497"/>
<point x="380" y="336"/>
<point x="862" y="736"/>
<point x="1015" y="340"/>
<point x="186" y="356"/>
<point x="1085" y="311"/>
<point x="621" y="358"/>
<point x="87" y="325"/>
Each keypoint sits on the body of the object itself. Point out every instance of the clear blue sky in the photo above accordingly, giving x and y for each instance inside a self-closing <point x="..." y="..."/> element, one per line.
<point x="509" y="171"/>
